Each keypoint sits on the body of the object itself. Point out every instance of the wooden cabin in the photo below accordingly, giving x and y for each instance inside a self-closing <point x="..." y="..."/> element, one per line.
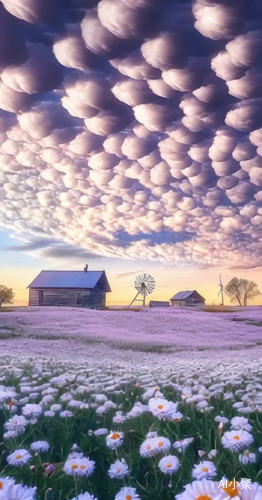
<point x="187" y="298"/>
<point x="69" y="288"/>
<point x="159" y="303"/>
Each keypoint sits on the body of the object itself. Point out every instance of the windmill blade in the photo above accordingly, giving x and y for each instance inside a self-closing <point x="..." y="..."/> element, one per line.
<point x="150" y="288"/>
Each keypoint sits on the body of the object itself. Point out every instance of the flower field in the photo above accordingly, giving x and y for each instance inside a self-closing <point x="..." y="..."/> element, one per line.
<point x="188" y="432"/>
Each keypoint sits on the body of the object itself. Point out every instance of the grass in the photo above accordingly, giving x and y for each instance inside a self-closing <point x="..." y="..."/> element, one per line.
<point x="124" y="308"/>
<point x="248" y="321"/>
<point x="135" y="346"/>
<point x="221" y="308"/>
<point x="6" y="327"/>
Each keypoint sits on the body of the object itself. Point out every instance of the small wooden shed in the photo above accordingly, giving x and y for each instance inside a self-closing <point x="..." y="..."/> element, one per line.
<point x="69" y="288"/>
<point x="159" y="303"/>
<point x="187" y="298"/>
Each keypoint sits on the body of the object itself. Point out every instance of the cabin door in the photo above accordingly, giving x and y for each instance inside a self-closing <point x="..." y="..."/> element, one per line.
<point x="79" y="299"/>
<point x="41" y="297"/>
<point x="85" y="300"/>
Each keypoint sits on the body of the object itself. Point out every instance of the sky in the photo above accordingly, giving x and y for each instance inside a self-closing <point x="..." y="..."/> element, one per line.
<point x="131" y="139"/>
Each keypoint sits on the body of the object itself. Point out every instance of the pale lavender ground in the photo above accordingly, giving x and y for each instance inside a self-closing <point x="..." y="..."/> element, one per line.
<point x="128" y="335"/>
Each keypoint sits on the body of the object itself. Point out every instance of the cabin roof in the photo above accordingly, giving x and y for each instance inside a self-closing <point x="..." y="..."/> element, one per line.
<point x="184" y="295"/>
<point x="69" y="279"/>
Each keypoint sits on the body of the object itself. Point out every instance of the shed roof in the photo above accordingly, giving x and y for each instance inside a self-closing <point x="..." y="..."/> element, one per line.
<point x="184" y="295"/>
<point x="159" y="303"/>
<point x="69" y="279"/>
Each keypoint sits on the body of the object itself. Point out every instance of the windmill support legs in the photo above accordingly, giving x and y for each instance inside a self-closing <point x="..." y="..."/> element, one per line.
<point x="135" y="299"/>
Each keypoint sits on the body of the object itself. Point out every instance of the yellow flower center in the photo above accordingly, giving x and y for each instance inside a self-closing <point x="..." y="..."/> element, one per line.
<point x="83" y="467"/>
<point x="74" y="466"/>
<point x="1" y="485"/>
<point x="115" y="435"/>
<point x="160" y="444"/>
<point x="231" y="489"/>
<point x="160" y="407"/>
<point x="168" y="465"/>
<point x="128" y="497"/>
<point x="118" y="469"/>
<point x="203" y="497"/>
<point x="148" y="447"/>
<point x="205" y="469"/>
<point x="156" y="388"/>
<point x="18" y="457"/>
<point x="236" y="437"/>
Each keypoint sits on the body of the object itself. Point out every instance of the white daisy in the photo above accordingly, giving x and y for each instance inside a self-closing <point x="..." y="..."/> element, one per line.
<point x="153" y="446"/>
<point x="114" y="439"/>
<point x="127" y="493"/>
<point x="161" y="408"/>
<point x="56" y="407"/>
<point x="119" y="418"/>
<point x="16" y="424"/>
<point x="32" y="410"/>
<point x="221" y="419"/>
<point x="118" y="469"/>
<point x="85" y="496"/>
<point x="240" y="423"/>
<point x="17" y="491"/>
<point x="182" y="444"/>
<point x="5" y="483"/>
<point x="66" y="414"/>
<point x="38" y="446"/>
<point x="100" y="398"/>
<point x="7" y="393"/>
<point x="205" y="470"/>
<point x="169" y="464"/>
<point x="137" y="410"/>
<point x="230" y="488"/>
<point x="252" y="491"/>
<point x="236" y="440"/>
<point x="151" y="434"/>
<point x="247" y="457"/>
<point x="19" y="457"/>
<point x="9" y="435"/>
<point x="79" y="466"/>
<point x="101" y="432"/>
<point x="49" y="413"/>
<point x="202" y="490"/>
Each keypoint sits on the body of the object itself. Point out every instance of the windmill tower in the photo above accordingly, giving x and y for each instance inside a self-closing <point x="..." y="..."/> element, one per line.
<point x="144" y="284"/>
<point x="221" y="290"/>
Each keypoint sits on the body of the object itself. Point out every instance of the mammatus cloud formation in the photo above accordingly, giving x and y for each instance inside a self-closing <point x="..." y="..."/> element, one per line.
<point x="134" y="117"/>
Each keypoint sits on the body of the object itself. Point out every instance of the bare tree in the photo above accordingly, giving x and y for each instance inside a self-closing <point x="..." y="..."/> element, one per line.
<point x="241" y="290"/>
<point x="6" y="295"/>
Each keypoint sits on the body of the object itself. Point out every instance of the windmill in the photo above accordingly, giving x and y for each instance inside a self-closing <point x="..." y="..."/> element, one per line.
<point x="144" y="284"/>
<point x="221" y="290"/>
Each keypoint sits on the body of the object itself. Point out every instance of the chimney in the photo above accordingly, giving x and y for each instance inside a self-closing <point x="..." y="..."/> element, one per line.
<point x="85" y="268"/>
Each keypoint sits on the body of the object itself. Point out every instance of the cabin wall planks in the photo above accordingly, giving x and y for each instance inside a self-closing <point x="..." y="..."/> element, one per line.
<point x="67" y="297"/>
